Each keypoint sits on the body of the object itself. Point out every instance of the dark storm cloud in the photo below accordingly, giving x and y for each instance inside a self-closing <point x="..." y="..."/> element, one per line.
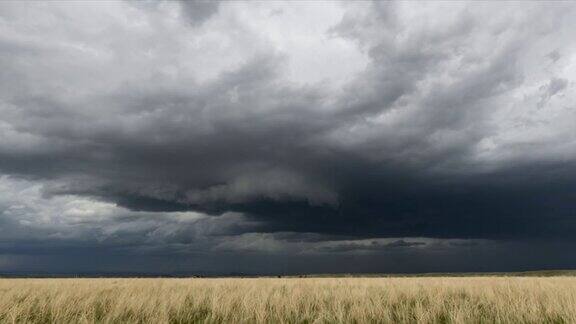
<point x="442" y="134"/>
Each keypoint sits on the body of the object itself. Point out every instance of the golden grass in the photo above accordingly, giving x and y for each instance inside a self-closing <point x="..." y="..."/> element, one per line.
<point x="290" y="300"/>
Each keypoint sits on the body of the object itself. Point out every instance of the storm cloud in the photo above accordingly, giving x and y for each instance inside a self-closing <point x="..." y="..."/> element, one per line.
<point x="288" y="129"/>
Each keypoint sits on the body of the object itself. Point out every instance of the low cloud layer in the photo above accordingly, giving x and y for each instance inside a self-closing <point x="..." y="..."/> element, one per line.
<point x="295" y="129"/>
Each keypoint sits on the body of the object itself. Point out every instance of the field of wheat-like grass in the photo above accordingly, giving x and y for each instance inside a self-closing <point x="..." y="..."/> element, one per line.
<point x="290" y="300"/>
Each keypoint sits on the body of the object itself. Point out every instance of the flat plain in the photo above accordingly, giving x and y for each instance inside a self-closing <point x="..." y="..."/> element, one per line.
<point x="494" y="299"/>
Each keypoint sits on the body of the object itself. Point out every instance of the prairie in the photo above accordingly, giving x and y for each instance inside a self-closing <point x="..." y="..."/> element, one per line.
<point x="290" y="300"/>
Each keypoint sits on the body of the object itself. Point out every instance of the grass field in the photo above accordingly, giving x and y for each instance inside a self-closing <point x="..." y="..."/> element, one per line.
<point x="290" y="300"/>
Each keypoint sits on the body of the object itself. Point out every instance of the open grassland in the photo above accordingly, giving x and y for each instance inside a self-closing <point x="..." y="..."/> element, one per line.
<point x="290" y="300"/>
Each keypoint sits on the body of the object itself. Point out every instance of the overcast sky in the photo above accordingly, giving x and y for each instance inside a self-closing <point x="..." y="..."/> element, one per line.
<point x="287" y="137"/>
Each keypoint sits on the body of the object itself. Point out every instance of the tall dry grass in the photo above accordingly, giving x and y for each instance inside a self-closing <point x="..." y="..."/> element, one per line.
<point x="290" y="300"/>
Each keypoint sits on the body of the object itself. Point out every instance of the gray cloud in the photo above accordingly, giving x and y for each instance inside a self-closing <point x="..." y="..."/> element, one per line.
<point x="372" y="246"/>
<point x="281" y="127"/>
<point x="197" y="12"/>
<point x="554" y="86"/>
<point x="554" y="56"/>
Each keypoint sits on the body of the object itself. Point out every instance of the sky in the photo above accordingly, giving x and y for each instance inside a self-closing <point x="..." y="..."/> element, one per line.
<point x="287" y="137"/>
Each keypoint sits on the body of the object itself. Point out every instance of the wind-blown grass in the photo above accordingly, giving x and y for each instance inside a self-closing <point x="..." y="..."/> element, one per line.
<point x="290" y="300"/>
